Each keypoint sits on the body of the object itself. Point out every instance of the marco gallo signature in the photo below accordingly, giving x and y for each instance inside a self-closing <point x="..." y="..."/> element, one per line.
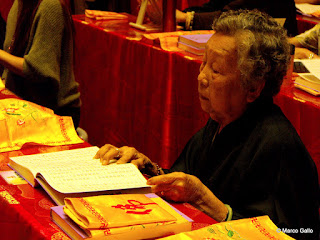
<point x="295" y="230"/>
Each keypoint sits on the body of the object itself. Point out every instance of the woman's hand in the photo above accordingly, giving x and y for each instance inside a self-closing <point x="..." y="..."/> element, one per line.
<point x="177" y="186"/>
<point x="303" y="53"/>
<point x="181" y="187"/>
<point x="109" y="154"/>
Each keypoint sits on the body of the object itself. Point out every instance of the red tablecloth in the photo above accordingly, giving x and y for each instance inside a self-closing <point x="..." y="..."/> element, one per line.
<point x="303" y="111"/>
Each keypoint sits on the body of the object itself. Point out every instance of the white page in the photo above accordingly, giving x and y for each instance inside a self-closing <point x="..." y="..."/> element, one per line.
<point x="73" y="171"/>
<point x="313" y="65"/>
<point x="307" y="8"/>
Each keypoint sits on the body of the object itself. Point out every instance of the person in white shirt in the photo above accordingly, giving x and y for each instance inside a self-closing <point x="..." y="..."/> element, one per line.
<point x="307" y="43"/>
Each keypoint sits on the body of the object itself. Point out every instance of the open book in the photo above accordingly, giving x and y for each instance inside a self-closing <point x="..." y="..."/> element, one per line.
<point x="309" y="75"/>
<point x="74" y="173"/>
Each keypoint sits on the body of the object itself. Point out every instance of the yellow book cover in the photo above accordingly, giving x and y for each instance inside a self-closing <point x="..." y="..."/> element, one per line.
<point x="257" y="228"/>
<point x="124" y="216"/>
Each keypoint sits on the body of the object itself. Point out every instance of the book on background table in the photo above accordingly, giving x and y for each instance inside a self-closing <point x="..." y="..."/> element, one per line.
<point x="140" y="231"/>
<point x="191" y="49"/>
<point x="309" y="75"/>
<point x="196" y="40"/>
<point x="307" y="8"/>
<point x="74" y="173"/>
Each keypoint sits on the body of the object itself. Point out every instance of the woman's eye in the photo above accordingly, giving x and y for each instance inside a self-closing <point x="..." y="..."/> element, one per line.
<point x="215" y="71"/>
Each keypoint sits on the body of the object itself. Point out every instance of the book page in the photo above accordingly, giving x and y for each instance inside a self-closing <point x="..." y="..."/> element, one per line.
<point x="312" y="65"/>
<point x="74" y="171"/>
<point x="307" y="8"/>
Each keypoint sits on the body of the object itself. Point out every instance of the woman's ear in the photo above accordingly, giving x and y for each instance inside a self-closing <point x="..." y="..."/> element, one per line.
<point x="255" y="92"/>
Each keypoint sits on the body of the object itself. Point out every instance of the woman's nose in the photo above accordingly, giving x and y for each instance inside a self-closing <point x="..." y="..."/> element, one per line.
<point x="203" y="80"/>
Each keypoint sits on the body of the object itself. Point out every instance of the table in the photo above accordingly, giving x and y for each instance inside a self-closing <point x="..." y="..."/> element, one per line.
<point x="140" y="95"/>
<point x="25" y="211"/>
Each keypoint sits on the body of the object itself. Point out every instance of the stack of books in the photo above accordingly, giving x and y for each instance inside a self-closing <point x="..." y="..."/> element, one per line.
<point x="193" y="43"/>
<point x="70" y="223"/>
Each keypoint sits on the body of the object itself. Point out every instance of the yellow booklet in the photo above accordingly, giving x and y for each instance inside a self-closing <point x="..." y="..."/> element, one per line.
<point x="257" y="228"/>
<point x="124" y="216"/>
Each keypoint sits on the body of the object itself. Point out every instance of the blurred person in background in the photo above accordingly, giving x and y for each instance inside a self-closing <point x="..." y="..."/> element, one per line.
<point x="37" y="56"/>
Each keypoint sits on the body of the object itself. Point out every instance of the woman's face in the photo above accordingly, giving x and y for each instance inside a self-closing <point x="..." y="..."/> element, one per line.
<point x="219" y="85"/>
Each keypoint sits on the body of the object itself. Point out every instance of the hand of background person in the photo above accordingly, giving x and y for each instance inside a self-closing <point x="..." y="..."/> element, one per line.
<point x="109" y="154"/>
<point x="303" y="53"/>
<point x="181" y="187"/>
<point x="180" y="16"/>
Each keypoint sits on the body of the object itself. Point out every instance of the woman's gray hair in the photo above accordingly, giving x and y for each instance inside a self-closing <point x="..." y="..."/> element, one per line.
<point x="262" y="46"/>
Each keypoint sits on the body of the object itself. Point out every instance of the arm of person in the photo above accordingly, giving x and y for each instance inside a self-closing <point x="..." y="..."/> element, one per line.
<point x="300" y="51"/>
<point x="303" y="53"/>
<point x="307" y="1"/>
<point x="11" y="62"/>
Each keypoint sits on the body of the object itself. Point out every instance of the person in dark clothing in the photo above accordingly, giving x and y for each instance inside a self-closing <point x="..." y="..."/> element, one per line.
<point x="202" y="17"/>
<point x="248" y="160"/>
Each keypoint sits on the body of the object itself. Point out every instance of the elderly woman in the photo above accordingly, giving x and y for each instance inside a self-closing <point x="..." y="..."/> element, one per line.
<point x="248" y="160"/>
